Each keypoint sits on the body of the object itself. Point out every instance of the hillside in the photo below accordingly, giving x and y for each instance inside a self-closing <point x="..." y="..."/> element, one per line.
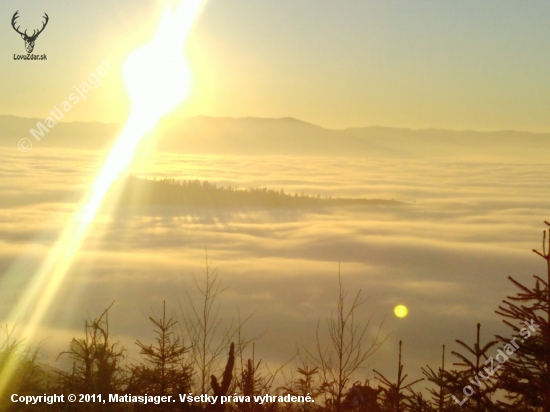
<point x="194" y="193"/>
<point x="291" y="137"/>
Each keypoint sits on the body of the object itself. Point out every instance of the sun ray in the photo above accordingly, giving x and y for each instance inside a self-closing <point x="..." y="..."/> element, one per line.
<point x="158" y="79"/>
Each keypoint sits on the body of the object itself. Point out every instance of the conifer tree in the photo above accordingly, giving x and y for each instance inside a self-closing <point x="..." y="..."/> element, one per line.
<point x="526" y="376"/>
<point x="473" y="385"/>
<point x="394" y="399"/>
<point x="307" y="382"/>
<point x="97" y="365"/>
<point x="441" y="396"/>
<point x="165" y="371"/>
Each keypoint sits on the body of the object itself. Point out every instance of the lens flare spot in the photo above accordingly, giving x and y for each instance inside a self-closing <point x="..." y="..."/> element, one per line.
<point x="401" y="311"/>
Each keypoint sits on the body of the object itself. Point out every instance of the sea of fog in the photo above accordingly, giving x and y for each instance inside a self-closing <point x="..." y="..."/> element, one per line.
<point x="446" y="252"/>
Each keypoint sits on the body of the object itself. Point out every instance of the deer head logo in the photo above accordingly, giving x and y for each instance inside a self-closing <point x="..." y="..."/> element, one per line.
<point x="29" y="40"/>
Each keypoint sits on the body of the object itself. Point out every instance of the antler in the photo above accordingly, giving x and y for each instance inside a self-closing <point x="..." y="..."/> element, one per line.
<point x="43" y="26"/>
<point x="15" y="16"/>
<point x="34" y="33"/>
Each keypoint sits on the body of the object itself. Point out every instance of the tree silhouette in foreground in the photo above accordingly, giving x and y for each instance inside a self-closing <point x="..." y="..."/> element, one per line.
<point x="97" y="365"/>
<point x="165" y="371"/>
<point x="477" y="380"/>
<point x="526" y="377"/>
<point x="220" y="389"/>
<point x="29" y="377"/>
<point x="349" y="347"/>
<point x="202" y="324"/>
<point x="394" y="399"/>
<point x="306" y="381"/>
<point x="441" y="395"/>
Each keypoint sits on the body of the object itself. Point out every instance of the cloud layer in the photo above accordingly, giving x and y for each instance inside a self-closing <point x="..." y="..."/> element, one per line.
<point x="446" y="254"/>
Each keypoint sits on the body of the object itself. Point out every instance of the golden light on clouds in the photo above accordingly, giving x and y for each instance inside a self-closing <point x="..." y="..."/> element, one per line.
<point x="401" y="311"/>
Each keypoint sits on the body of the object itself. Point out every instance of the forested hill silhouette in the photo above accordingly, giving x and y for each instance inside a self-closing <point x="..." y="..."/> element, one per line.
<point x="195" y="193"/>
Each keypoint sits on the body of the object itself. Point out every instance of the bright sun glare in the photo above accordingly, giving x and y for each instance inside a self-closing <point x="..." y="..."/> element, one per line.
<point x="158" y="79"/>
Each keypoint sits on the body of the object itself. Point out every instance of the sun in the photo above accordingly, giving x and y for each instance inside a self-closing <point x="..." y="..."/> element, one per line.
<point x="401" y="311"/>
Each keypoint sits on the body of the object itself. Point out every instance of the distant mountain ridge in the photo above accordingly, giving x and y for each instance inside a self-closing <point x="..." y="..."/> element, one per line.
<point x="289" y="136"/>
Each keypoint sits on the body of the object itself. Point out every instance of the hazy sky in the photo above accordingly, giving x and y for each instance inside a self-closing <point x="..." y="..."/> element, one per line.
<point x="454" y="64"/>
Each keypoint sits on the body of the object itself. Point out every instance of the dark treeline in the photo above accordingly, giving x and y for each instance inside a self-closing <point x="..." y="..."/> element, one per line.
<point x="195" y="352"/>
<point x="195" y="193"/>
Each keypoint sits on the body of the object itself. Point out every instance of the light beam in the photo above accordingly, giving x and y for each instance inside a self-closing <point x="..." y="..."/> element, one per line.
<point x="158" y="79"/>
